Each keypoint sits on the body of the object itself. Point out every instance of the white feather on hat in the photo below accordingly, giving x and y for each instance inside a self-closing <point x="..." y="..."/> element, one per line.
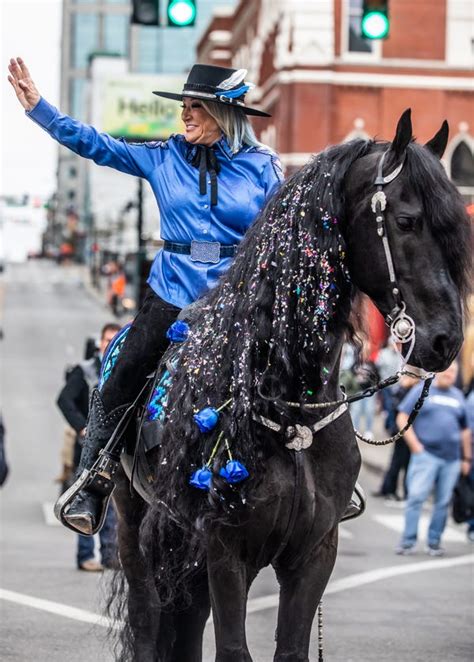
<point x="236" y="78"/>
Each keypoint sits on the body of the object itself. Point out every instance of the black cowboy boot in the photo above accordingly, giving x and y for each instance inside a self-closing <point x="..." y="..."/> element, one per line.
<point x="356" y="505"/>
<point x="83" y="506"/>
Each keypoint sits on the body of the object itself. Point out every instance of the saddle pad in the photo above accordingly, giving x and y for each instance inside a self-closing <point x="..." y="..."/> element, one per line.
<point x="111" y="354"/>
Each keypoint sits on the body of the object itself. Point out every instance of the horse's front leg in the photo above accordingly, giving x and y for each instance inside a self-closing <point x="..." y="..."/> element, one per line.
<point x="301" y="590"/>
<point x="148" y="640"/>
<point x="229" y="582"/>
<point x="190" y="623"/>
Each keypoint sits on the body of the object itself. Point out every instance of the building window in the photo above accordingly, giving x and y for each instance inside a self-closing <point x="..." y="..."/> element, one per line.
<point x="116" y="29"/>
<point x="357" y="44"/>
<point x="353" y="45"/>
<point x="149" y="50"/>
<point x="76" y="98"/>
<point x="85" y="38"/>
<point x="462" y="170"/>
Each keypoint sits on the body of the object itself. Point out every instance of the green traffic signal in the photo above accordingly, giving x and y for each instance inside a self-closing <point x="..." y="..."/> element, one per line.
<point x="181" y="13"/>
<point x="375" y="25"/>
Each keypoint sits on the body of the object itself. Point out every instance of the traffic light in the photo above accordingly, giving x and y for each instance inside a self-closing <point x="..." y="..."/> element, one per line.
<point x="375" y="19"/>
<point x="146" y="12"/>
<point x="181" y="13"/>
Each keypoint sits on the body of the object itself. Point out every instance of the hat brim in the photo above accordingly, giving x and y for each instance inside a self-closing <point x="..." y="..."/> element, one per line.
<point x="179" y="97"/>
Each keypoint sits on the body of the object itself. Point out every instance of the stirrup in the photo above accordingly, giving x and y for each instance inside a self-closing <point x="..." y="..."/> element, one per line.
<point x="357" y="504"/>
<point x="98" y="481"/>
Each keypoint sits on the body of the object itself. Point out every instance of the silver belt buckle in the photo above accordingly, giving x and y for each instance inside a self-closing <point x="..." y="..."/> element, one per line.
<point x="205" y="251"/>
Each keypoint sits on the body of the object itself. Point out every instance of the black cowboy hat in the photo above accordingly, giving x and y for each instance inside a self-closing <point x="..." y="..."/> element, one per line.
<point x="217" y="84"/>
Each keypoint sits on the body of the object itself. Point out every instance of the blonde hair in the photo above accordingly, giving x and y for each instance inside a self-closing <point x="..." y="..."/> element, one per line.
<point x="234" y="124"/>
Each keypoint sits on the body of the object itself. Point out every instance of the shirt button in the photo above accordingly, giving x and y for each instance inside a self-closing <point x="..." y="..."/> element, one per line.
<point x="205" y="231"/>
<point x="205" y="206"/>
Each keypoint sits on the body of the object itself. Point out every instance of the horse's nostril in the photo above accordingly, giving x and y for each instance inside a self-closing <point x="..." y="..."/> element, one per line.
<point x="441" y="344"/>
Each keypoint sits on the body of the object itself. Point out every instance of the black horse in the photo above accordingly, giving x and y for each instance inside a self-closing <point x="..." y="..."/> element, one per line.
<point x="264" y="348"/>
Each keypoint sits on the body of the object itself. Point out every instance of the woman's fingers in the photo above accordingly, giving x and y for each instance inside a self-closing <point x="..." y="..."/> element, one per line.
<point x="23" y="68"/>
<point x="21" y="82"/>
<point x="14" y="69"/>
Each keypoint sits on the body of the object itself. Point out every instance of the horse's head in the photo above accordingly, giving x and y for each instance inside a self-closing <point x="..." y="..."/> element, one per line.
<point x="419" y="223"/>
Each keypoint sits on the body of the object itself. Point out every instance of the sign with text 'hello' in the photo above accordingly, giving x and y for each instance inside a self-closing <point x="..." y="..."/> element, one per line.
<point x="131" y="110"/>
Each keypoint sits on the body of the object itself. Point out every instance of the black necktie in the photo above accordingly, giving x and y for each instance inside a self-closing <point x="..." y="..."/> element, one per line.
<point x="206" y="160"/>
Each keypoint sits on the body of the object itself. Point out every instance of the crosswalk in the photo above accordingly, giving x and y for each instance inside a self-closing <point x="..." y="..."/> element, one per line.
<point x="395" y="522"/>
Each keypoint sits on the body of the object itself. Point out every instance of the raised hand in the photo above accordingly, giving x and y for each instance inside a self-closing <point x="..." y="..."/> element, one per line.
<point x="21" y="81"/>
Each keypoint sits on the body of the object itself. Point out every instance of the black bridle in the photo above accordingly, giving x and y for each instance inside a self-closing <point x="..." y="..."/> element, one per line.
<point x="402" y="326"/>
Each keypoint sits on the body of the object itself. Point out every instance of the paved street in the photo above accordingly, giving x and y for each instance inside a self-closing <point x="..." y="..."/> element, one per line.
<point x="378" y="606"/>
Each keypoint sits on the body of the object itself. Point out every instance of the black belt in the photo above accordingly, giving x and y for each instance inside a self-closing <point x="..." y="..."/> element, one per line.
<point x="202" y="251"/>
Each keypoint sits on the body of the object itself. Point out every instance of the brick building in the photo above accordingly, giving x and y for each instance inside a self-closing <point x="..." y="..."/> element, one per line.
<point x="324" y="84"/>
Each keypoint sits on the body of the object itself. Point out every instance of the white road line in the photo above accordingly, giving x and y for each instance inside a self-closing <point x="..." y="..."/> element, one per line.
<point x="344" y="533"/>
<point x="362" y="578"/>
<point x="57" y="608"/>
<point x="397" y="522"/>
<point x="255" y="605"/>
<point x="48" y="512"/>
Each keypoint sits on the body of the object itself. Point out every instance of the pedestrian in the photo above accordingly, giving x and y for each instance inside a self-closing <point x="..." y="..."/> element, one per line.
<point x="440" y="445"/>
<point x="388" y="362"/>
<point x="470" y="418"/>
<point x="401" y="453"/>
<point x="73" y="401"/>
<point x="116" y="288"/>
<point x="209" y="185"/>
<point x="3" y="456"/>
<point x="365" y="375"/>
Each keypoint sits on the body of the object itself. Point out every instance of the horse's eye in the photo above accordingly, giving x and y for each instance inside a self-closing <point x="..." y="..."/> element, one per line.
<point x="406" y="223"/>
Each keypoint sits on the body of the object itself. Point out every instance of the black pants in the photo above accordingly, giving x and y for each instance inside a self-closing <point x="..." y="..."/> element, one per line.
<point x="399" y="462"/>
<point x="144" y="346"/>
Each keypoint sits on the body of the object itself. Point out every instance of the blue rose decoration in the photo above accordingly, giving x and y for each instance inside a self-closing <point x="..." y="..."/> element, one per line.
<point x="201" y="479"/>
<point x="178" y="331"/>
<point x="234" y="472"/>
<point x="206" y="419"/>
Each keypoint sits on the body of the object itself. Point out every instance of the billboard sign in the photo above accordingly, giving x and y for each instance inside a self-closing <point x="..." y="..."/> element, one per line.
<point x="130" y="109"/>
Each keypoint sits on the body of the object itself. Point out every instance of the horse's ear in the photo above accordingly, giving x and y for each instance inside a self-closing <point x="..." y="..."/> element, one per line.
<point x="438" y="142"/>
<point x="403" y="134"/>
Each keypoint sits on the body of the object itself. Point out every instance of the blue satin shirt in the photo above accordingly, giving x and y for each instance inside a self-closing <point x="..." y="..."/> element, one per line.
<point x="245" y="180"/>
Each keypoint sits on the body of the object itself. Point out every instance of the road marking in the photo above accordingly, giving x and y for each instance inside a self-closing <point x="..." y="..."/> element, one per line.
<point x="344" y="533"/>
<point x="397" y="523"/>
<point x="58" y="609"/>
<point x="363" y="578"/>
<point x="48" y="512"/>
<point x="254" y="605"/>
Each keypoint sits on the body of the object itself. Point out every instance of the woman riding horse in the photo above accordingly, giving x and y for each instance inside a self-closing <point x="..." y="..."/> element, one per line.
<point x="209" y="185"/>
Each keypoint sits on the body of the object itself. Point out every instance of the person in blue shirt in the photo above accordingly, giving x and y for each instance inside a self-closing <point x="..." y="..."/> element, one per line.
<point x="440" y="445"/>
<point x="209" y="184"/>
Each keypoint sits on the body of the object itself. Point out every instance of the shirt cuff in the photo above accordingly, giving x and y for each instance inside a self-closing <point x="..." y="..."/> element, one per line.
<point x="43" y="113"/>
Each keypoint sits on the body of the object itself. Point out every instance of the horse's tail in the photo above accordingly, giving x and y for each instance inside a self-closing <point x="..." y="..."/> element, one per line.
<point x="120" y="634"/>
